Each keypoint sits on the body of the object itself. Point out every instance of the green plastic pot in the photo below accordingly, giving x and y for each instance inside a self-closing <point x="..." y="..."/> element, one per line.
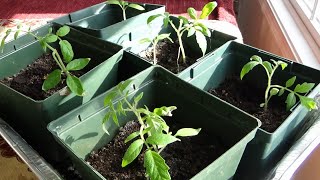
<point x="80" y="131"/>
<point x="266" y="149"/>
<point x="106" y="22"/>
<point x="216" y="40"/>
<point x="30" y="117"/>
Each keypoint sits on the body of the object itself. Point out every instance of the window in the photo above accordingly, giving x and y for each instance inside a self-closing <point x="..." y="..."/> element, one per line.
<point x="309" y="12"/>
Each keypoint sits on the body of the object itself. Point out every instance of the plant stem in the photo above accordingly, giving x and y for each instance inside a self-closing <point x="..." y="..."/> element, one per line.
<point x="124" y="13"/>
<point x="154" y="53"/>
<point x="58" y="59"/>
<point x="266" y="95"/>
<point x="179" y="32"/>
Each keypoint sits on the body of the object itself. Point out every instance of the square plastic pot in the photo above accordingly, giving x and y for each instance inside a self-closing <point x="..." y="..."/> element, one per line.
<point x="80" y="131"/>
<point x="106" y="21"/>
<point x="109" y="65"/>
<point x="267" y="148"/>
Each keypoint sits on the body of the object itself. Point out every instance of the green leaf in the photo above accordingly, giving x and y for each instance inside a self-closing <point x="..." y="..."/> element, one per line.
<point x="166" y="19"/>
<point x="113" y="2"/>
<point x="124" y="84"/>
<point x="184" y="20"/>
<point x="281" y="92"/>
<point x="304" y="87"/>
<point x="145" y="40"/>
<point x="50" y="38"/>
<point x="156" y="167"/>
<point x="43" y="44"/>
<point x="75" y="85"/>
<point x="66" y="50"/>
<point x="248" y="67"/>
<point x="138" y="98"/>
<point x="291" y="81"/>
<point x="309" y="103"/>
<point x="207" y="9"/>
<point x="164" y="111"/>
<point x="161" y="139"/>
<point x="256" y="58"/>
<point x="192" y="13"/>
<point x="136" y="6"/>
<point x="120" y="108"/>
<point x="52" y="80"/>
<point x="153" y="17"/>
<point x="132" y="152"/>
<point x="163" y="36"/>
<point x="63" y="31"/>
<point x="268" y="66"/>
<point x="274" y="91"/>
<point x="132" y="136"/>
<point x="202" y="42"/>
<point x="109" y="97"/>
<point x="50" y="30"/>
<point x="191" y="31"/>
<point x="115" y="118"/>
<point x="282" y="64"/>
<point x="204" y="29"/>
<point x="77" y="64"/>
<point x="106" y="117"/>
<point x="187" y="132"/>
<point x="291" y="100"/>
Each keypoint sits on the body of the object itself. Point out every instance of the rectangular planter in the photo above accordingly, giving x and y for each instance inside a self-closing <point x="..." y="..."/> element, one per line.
<point x="106" y="22"/>
<point x="263" y="152"/>
<point x="80" y="131"/>
<point x="30" y="117"/>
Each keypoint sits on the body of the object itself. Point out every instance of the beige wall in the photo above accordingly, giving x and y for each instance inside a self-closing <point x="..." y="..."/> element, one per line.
<point x="259" y="28"/>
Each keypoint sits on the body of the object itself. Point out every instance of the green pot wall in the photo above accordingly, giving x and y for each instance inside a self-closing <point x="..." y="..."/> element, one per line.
<point x="266" y="149"/>
<point x="216" y="40"/>
<point x="30" y="117"/>
<point x="106" y="21"/>
<point x="80" y="131"/>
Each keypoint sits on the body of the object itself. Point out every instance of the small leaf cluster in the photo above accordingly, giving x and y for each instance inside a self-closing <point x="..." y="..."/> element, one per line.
<point x="192" y="27"/>
<point x="154" y="133"/>
<point x="124" y="5"/>
<point x="154" y="43"/>
<point x="66" y="63"/>
<point x="299" y="91"/>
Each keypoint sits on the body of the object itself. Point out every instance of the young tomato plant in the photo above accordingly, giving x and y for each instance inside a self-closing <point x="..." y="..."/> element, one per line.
<point x="53" y="79"/>
<point x="154" y="133"/>
<point x="154" y="43"/>
<point x="273" y="89"/>
<point x="192" y="27"/>
<point x="124" y="5"/>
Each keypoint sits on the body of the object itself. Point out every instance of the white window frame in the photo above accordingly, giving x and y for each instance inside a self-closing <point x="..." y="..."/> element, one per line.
<point x="300" y="39"/>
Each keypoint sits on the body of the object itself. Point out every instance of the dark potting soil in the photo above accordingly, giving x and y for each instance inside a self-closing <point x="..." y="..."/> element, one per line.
<point x="167" y="54"/>
<point x="185" y="158"/>
<point x="30" y="79"/>
<point x="248" y="98"/>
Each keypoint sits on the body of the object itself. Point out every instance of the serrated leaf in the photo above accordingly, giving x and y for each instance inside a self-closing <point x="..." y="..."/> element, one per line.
<point x="187" y="132"/>
<point x="120" y="108"/>
<point x="66" y="50"/>
<point x="274" y="91"/>
<point x="77" y="64"/>
<point x="202" y="42"/>
<point x="115" y="118"/>
<point x="50" y="38"/>
<point x="207" y="9"/>
<point x="268" y="66"/>
<point x="136" y="6"/>
<point x="309" y="103"/>
<point x="291" y="81"/>
<point x="63" y="31"/>
<point x="156" y="167"/>
<point x="106" y="117"/>
<point x="109" y="97"/>
<point x="153" y="17"/>
<point x="75" y="85"/>
<point x="161" y="139"/>
<point x="304" y="87"/>
<point x="256" y="58"/>
<point x="145" y="40"/>
<point x="191" y="31"/>
<point x="192" y="13"/>
<point x="52" y="80"/>
<point x="164" y="111"/>
<point x="281" y="91"/>
<point x="132" y="136"/>
<point x="291" y="100"/>
<point x="248" y="67"/>
<point x="138" y="98"/>
<point x="132" y="152"/>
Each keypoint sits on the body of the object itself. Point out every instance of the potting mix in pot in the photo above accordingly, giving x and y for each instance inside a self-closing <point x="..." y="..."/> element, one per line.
<point x="258" y="101"/>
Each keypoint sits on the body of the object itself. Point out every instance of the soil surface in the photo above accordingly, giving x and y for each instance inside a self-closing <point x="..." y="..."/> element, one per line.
<point x="30" y="79"/>
<point x="167" y="54"/>
<point x="185" y="158"/>
<point x="248" y="98"/>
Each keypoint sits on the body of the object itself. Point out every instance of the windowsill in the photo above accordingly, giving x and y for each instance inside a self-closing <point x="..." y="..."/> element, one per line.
<point x="302" y="45"/>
